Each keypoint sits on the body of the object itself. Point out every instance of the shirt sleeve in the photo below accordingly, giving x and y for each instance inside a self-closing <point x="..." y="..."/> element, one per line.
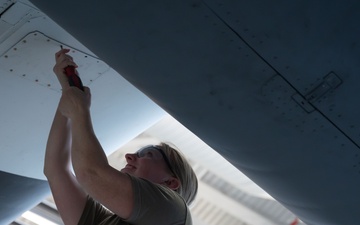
<point x="156" y="204"/>
<point x="93" y="213"/>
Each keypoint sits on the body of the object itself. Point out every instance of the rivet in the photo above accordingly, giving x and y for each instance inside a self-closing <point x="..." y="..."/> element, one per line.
<point x="24" y="75"/>
<point x="49" y="85"/>
<point x="36" y="80"/>
<point x="11" y="70"/>
<point x="6" y="56"/>
<point x="24" y="41"/>
<point x="15" y="49"/>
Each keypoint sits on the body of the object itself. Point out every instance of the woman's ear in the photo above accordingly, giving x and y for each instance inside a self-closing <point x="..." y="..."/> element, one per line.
<point x="173" y="183"/>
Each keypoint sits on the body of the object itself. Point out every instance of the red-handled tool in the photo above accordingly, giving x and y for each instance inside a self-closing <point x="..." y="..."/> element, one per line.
<point x="73" y="78"/>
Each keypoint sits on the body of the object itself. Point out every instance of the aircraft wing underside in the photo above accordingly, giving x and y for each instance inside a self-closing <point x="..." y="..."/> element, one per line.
<point x="271" y="86"/>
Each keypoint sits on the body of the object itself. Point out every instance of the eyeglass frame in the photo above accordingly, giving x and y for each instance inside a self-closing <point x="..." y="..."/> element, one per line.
<point x="166" y="159"/>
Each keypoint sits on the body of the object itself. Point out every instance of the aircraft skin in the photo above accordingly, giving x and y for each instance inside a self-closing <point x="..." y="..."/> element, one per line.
<point x="271" y="86"/>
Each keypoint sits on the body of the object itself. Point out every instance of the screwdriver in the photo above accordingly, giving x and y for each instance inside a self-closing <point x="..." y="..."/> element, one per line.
<point x="73" y="78"/>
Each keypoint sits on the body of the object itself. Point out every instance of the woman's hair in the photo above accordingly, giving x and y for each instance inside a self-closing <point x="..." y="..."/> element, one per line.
<point x="183" y="171"/>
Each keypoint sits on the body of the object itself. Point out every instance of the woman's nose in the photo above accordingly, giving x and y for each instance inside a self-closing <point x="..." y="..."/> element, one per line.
<point x="130" y="156"/>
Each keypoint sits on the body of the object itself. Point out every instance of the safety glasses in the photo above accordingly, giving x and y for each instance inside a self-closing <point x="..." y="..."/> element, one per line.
<point x="152" y="151"/>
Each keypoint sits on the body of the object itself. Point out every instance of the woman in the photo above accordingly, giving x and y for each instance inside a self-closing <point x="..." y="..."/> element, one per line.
<point x="154" y="187"/>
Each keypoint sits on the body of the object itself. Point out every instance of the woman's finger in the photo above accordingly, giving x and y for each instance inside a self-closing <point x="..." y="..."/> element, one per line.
<point x="64" y="57"/>
<point x="61" y="52"/>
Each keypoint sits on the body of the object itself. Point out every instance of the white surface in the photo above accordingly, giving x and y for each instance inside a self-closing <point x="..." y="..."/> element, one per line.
<point x="29" y="94"/>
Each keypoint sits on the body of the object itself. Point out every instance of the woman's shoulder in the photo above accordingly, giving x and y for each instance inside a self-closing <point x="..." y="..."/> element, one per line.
<point x="155" y="202"/>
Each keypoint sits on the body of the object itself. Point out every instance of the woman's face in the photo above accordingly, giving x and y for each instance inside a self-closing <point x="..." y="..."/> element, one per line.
<point x="148" y="164"/>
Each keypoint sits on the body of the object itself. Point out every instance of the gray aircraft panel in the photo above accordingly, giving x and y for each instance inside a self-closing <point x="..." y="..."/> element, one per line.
<point x="305" y="41"/>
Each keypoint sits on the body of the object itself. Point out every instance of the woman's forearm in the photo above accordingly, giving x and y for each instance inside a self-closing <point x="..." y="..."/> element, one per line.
<point x="87" y="153"/>
<point x="57" y="156"/>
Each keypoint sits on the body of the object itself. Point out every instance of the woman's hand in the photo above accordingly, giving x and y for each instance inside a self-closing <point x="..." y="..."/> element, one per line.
<point x="62" y="61"/>
<point x="75" y="103"/>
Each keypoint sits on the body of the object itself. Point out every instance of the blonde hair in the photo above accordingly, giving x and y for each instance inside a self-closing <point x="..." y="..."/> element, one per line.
<point x="183" y="171"/>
